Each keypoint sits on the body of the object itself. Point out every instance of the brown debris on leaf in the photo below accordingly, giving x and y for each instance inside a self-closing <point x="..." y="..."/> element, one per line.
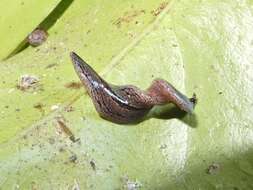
<point x="93" y="165"/>
<point x="63" y="129"/>
<point x="158" y="10"/>
<point x="39" y="106"/>
<point x="128" y="17"/>
<point x="194" y="99"/>
<point x="27" y="82"/>
<point x="37" y="37"/>
<point x="69" y="109"/>
<point x="73" y="85"/>
<point x="73" y="158"/>
<point x="213" y="169"/>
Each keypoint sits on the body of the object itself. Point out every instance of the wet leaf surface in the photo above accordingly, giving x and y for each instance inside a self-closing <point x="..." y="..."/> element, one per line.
<point x="202" y="47"/>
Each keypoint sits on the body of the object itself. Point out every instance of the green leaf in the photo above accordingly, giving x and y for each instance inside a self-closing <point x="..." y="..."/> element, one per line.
<point x="199" y="46"/>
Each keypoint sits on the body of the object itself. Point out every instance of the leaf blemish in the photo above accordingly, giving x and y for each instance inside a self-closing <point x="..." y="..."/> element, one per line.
<point x="73" y="85"/>
<point x="93" y="165"/>
<point x="51" y="65"/>
<point x="128" y="17"/>
<point x="62" y="128"/>
<point x="213" y="169"/>
<point x="158" y="10"/>
<point x="39" y="106"/>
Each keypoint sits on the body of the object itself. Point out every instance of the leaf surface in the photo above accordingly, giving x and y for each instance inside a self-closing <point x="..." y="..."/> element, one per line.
<point x="203" y="47"/>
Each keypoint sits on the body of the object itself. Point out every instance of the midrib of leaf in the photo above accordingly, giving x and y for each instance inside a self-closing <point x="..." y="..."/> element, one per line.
<point x="117" y="59"/>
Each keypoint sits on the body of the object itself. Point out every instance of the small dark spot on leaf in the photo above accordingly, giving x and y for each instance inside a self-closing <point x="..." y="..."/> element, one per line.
<point x="213" y="169"/>
<point x="62" y="128"/>
<point x="69" y="108"/>
<point x="73" y="158"/>
<point x="163" y="146"/>
<point x="61" y="149"/>
<point x="73" y="139"/>
<point x="73" y="85"/>
<point x="51" y="140"/>
<point x="93" y="165"/>
<point x="38" y="106"/>
<point x="194" y="99"/>
<point x="51" y="65"/>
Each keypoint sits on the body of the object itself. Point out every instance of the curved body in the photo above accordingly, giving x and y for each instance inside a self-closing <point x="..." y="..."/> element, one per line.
<point x="125" y="104"/>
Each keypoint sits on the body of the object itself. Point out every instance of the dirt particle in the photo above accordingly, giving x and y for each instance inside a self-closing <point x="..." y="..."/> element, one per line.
<point x="61" y="149"/>
<point x="159" y="9"/>
<point x="27" y="81"/>
<point x="63" y="129"/>
<point x="220" y="92"/>
<point x="51" y="140"/>
<point x="25" y="137"/>
<point x="73" y="85"/>
<point x="51" y="65"/>
<point x="37" y="37"/>
<point x="213" y="169"/>
<point x="163" y="146"/>
<point x="128" y="17"/>
<point x="93" y="165"/>
<point x="73" y="158"/>
<point x="69" y="108"/>
<point x="39" y="106"/>
<point x="194" y="99"/>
